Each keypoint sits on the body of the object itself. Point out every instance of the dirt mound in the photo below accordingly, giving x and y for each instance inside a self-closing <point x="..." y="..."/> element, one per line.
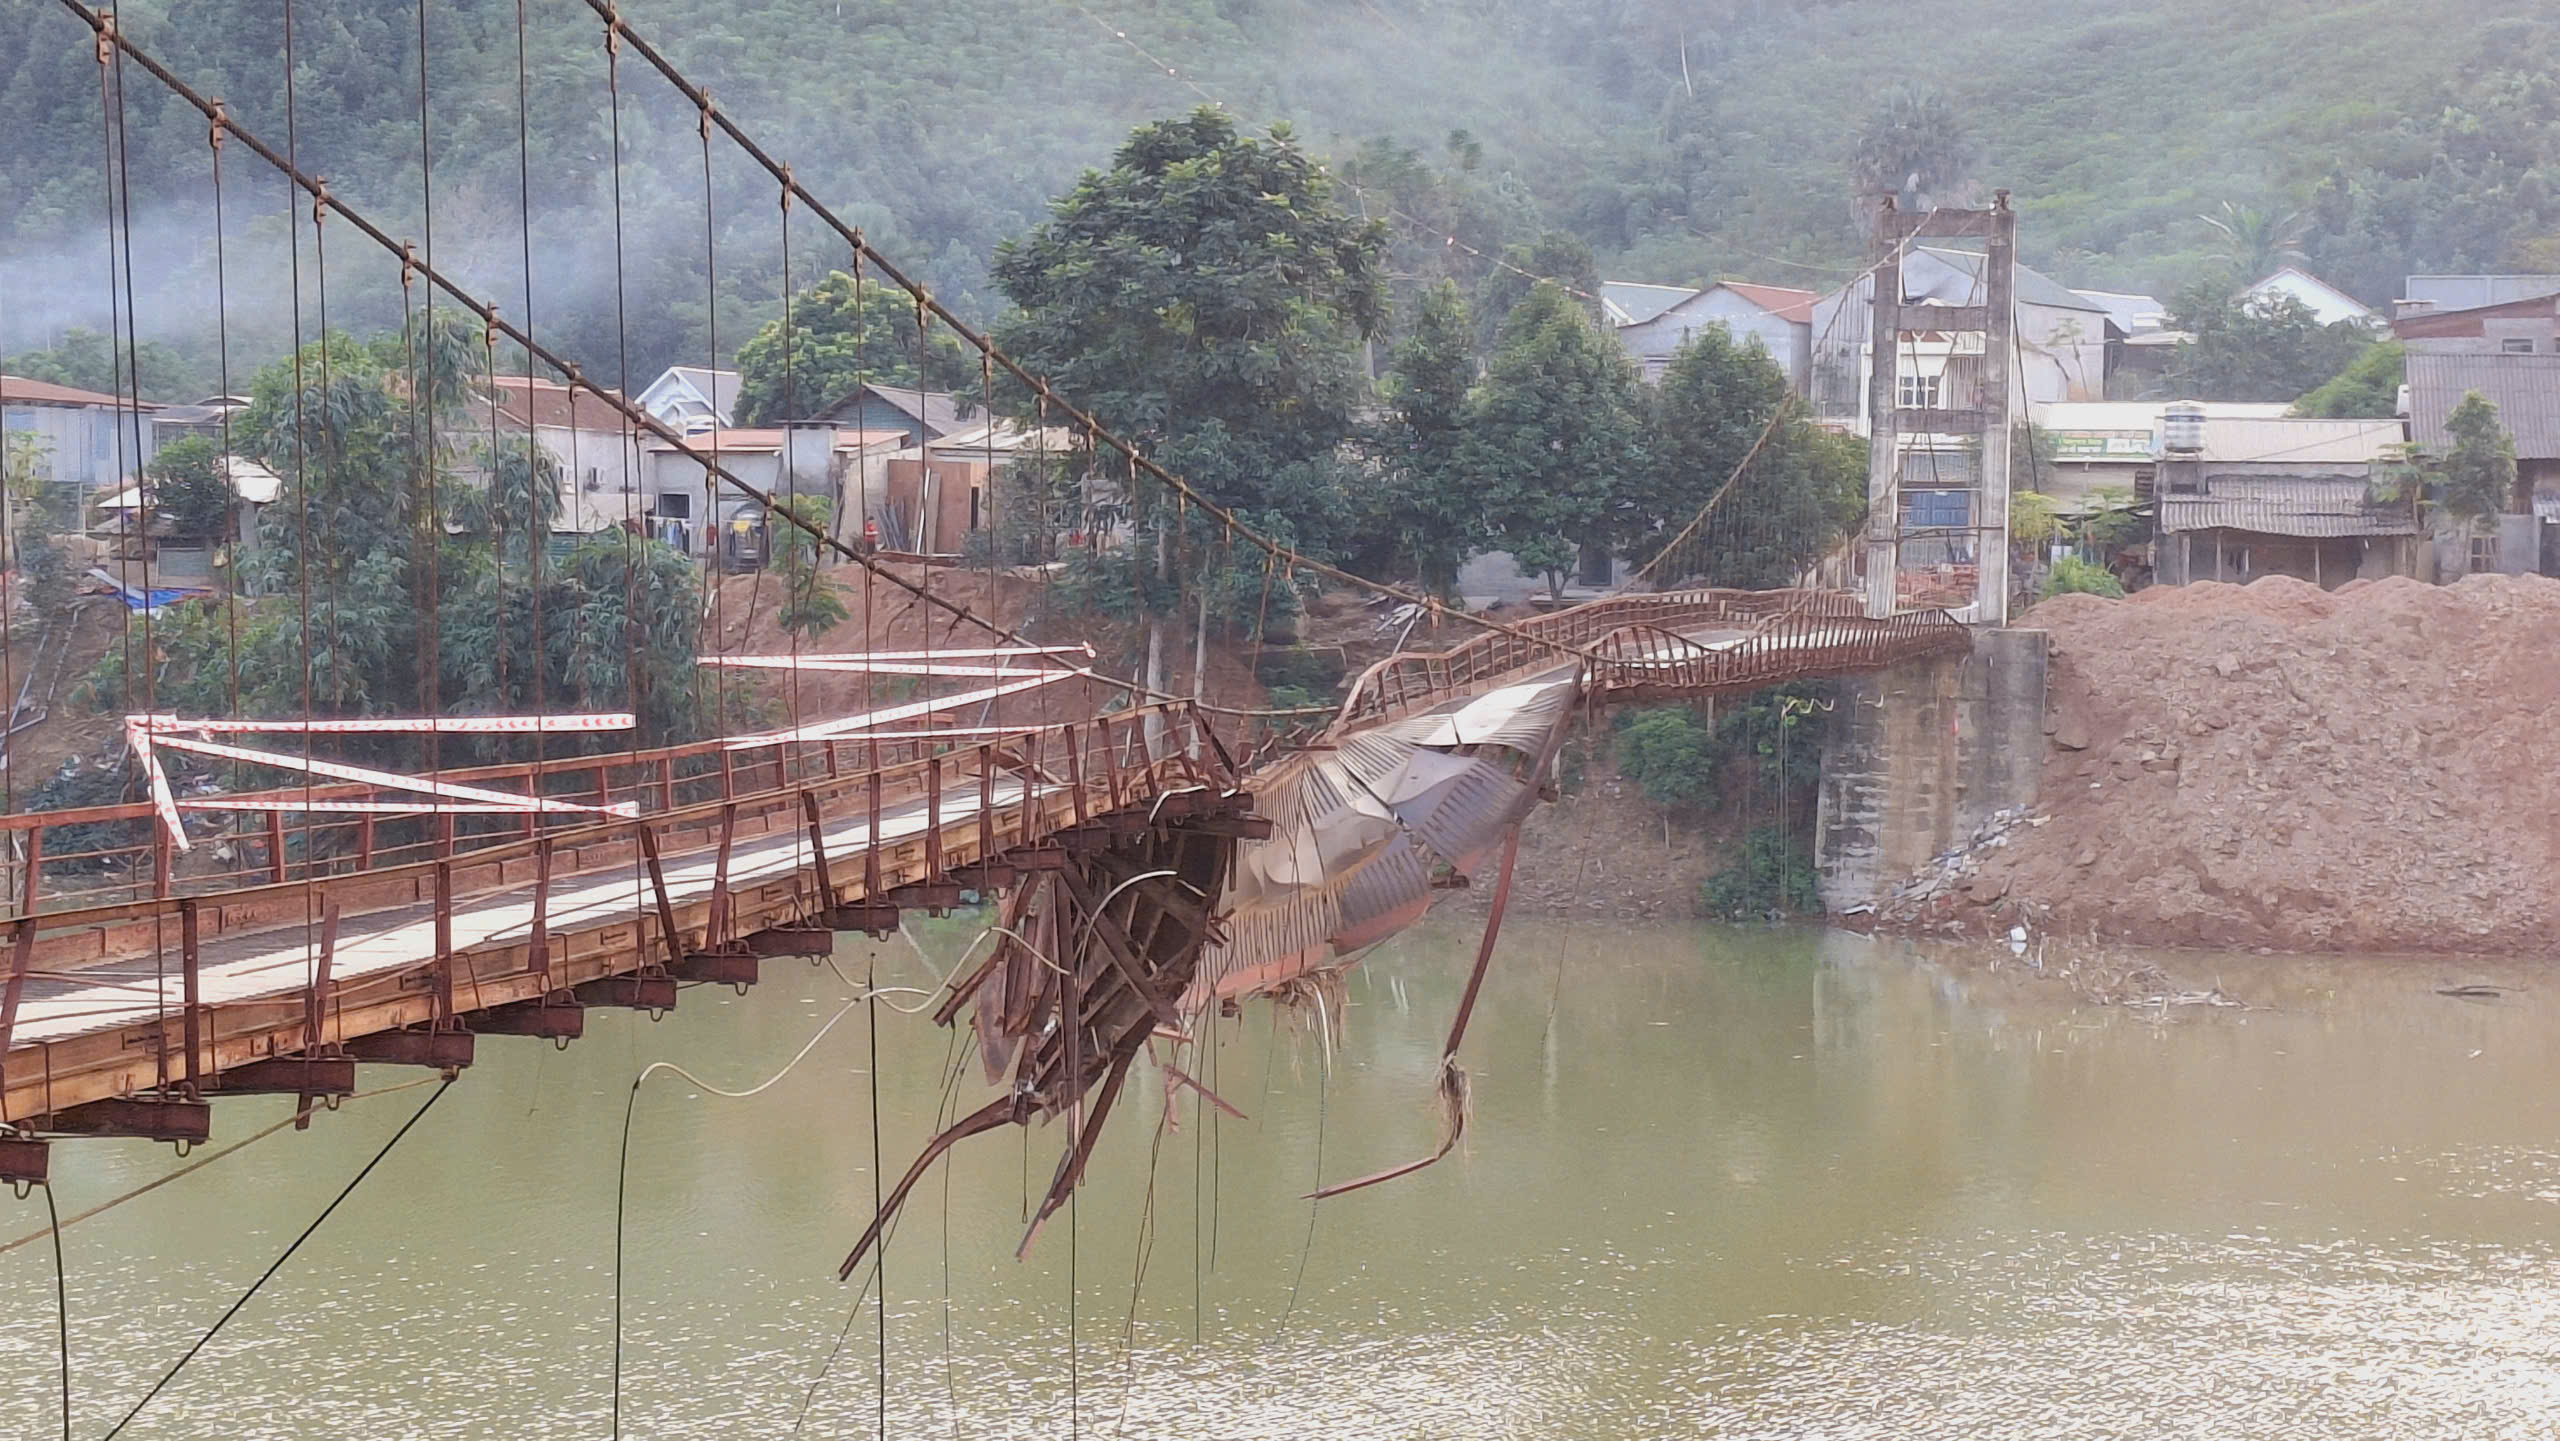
<point x="2374" y="768"/>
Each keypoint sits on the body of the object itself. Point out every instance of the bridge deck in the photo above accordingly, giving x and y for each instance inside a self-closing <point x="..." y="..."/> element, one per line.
<point x="113" y="1001"/>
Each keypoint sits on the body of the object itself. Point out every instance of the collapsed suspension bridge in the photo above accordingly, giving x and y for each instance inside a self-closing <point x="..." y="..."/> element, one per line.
<point x="1156" y="859"/>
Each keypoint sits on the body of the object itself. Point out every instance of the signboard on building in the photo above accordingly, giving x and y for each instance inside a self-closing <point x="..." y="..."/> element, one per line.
<point x="2086" y="445"/>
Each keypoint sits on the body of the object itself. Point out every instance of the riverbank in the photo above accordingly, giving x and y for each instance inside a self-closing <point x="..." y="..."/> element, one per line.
<point x="2276" y="767"/>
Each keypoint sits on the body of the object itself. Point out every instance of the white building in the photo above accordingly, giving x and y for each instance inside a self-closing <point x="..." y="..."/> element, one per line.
<point x="95" y="443"/>
<point x="691" y="397"/>
<point x="2327" y="303"/>
<point x="1650" y="330"/>
<point x="596" y="449"/>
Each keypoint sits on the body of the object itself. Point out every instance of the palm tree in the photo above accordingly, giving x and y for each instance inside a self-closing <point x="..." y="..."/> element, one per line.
<point x="2255" y="243"/>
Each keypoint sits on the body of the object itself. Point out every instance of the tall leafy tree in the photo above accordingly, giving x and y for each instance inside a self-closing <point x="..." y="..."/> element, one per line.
<point x="2264" y="349"/>
<point x="1916" y="148"/>
<point x="1428" y="517"/>
<point x="837" y="343"/>
<point x="1205" y="296"/>
<point x="1800" y="492"/>
<point x="1554" y="438"/>
<point x="1208" y="287"/>
<point x="2369" y="388"/>
<point x="2478" y="477"/>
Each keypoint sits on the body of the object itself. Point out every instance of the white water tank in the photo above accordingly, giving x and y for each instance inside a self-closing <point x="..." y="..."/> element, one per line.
<point x="2182" y="429"/>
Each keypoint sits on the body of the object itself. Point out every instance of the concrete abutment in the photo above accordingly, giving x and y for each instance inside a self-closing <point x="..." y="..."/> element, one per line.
<point x="1916" y="757"/>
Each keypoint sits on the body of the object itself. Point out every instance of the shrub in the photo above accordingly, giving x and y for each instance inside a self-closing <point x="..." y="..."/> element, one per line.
<point x="1772" y="874"/>
<point x="2073" y="576"/>
<point x="1666" y="753"/>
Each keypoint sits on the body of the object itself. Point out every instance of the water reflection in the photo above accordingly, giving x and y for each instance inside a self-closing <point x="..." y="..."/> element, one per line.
<point x="1718" y="1183"/>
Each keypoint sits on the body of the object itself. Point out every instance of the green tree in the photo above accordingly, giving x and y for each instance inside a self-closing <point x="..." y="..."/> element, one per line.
<point x="1554" y="438"/>
<point x="1800" y="492"/>
<point x="1428" y="515"/>
<point x="1205" y="297"/>
<point x="87" y="360"/>
<point x="2265" y="349"/>
<point x="1666" y="752"/>
<point x="1916" y="148"/>
<point x="837" y="344"/>
<point x="2478" y="477"/>
<point x="810" y="602"/>
<point x="2252" y="243"/>
<point x="2369" y="388"/>
<point x="190" y="492"/>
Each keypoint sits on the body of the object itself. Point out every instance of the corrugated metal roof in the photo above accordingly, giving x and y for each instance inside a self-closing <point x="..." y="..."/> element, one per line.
<point x="2469" y="292"/>
<point x="2525" y="388"/>
<point x="1634" y="304"/>
<point x="2032" y="287"/>
<point x="1783" y="301"/>
<point x="2265" y="440"/>
<point x="2274" y="506"/>
<point x="18" y="390"/>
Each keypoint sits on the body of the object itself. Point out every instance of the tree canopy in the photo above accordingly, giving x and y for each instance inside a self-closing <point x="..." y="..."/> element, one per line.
<point x="1554" y="435"/>
<point x="2268" y="348"/>
<point x="837" y="344"/>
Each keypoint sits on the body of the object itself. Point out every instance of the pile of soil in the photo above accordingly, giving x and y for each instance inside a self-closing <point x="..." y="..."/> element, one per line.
<point x="2373" y="768"/>
<point x="1606" y="850"/>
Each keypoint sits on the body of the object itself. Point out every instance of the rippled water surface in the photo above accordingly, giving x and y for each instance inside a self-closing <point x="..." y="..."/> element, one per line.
<point x="1717" y="1183"/>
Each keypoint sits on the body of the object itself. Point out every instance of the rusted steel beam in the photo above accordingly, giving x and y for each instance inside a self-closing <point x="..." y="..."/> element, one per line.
<point x="442" y="1050"/>
<point x="876" y="919"/>
<point x="315" y="1001"/>
<point x="290" y="1076"/>
<point x="548" y="1019"/>
<point x="1117" y="946"/>
<point x="172" y="1118"/>
<point x="191" y="990"/>
<point x="667" y="927"/>
<point x="630" y="993"/>
<point x="23" y="1160"/>
<point x="792" y="941"/>
<point x="726" y="968"/>
<point x="716" y="930"/>
<point x="537" y="956"/>
<point x="444" y="940"/>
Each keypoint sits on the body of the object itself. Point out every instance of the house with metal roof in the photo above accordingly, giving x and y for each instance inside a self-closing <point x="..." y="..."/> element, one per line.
<point x="84" y="439"/>
<point x="2283" y="496"/>
<point x="1779" y="317"/>
<point x="689" y="397"/>
<point x="2422" y="293"/>
<point x="924" y="415"/>
<point x="2526" y="390"/>
<point x="2327" y="303"/>
<point x="2521" y="325"/>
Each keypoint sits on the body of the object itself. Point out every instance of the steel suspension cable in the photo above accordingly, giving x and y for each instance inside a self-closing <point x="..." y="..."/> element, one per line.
<point x="278" y="1264"/>
<point x="610" y="12"/>
<point x="640" y="420"/>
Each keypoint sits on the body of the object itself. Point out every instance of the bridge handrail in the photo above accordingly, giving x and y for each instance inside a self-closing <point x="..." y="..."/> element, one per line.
<point x="653" y="778"/>
<point x="1410" y="681"/>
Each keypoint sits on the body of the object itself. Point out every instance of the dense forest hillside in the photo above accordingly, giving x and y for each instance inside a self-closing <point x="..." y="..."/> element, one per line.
<point x="1679" y="139"/>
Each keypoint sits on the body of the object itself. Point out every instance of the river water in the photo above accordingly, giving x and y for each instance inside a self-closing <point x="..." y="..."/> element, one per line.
<point x="1718" y="1183"/>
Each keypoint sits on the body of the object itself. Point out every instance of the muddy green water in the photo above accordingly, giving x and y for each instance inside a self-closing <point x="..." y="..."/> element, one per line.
<point x="1742" y="1184"/>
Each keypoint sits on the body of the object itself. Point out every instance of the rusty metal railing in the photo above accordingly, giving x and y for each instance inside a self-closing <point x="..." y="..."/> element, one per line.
<point x="1414" y="682"/>
<point x="1052" y="777"/>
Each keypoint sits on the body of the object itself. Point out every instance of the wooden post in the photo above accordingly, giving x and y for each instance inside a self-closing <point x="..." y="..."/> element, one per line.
<point x="163" y="861"/>
<point x="717" y="932"/>
<point x="658" y="884"/>
<point x="35" y="871"/>
<point x="1075" y="773"/>
<point x="364" y="841"/>
<point x="986" y="805"/>
<point x="275" y="845"/>
<point x="871" y="846"/>
<point x="21" y="959"/>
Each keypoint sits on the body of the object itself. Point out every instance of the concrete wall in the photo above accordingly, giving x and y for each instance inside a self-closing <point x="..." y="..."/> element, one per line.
<point x="1917" y="757"/>
<point x="1650" y="343"/>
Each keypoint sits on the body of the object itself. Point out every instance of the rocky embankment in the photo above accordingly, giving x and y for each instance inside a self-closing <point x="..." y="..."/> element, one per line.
<point x="2375" y="768"/>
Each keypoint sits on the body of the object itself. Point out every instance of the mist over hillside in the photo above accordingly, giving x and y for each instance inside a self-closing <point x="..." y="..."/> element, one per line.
<point x="1680" y="141"/>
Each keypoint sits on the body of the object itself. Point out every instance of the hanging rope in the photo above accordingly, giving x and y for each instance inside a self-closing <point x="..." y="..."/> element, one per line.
<point x="278" y="1264"/>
